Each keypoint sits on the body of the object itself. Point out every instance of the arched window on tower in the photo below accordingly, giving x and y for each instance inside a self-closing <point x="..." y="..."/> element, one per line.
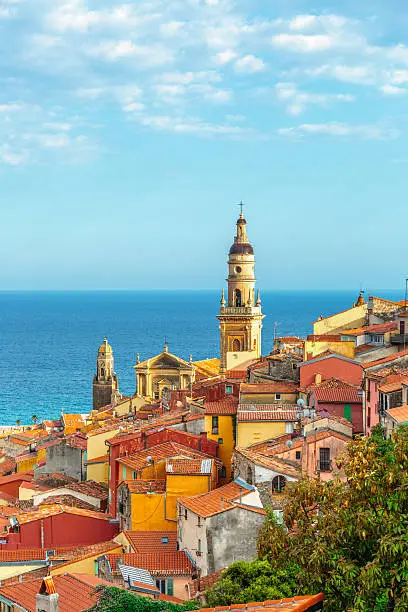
<point x="236" y="345"/>
<point x="238" y="299"/>
<point x="102" y="372"/>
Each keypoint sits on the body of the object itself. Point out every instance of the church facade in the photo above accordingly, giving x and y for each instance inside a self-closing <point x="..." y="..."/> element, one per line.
<point x="240" y="314"/>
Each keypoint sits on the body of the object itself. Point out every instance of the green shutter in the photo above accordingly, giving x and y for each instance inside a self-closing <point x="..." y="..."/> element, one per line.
<point x="347" y="412"/>
<point x="170" y="586"/>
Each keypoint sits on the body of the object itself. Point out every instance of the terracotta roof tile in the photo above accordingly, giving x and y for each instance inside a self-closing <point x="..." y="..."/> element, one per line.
<point x="152" y="541"/>
<point x="334" y="391"/>
<point x="161" y="563"/>
<point x="46" y="511"/>
<point x="85" y="552"/>
<point x="216" y="501"/>
<point x="224" y="406"/>
<point x="301" y="603"/>
<point x="267" y="412"/>
<point x="189" y="466"/>
<point x="388" y="359"/>
<point x="269" y="387"/>
<point x="145" y="486"/>
<point x="101" y="459"/>
<point x="160" y="452"/>
<point x="400" y="414"/>
<point x="271" y="463"/>
<point x="76" y="592"/>
<point x="66" y="500"/>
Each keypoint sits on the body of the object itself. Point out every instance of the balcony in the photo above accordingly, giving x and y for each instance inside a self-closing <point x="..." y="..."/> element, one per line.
<point x="324" y="466"/>
<point x="240" y="310"/>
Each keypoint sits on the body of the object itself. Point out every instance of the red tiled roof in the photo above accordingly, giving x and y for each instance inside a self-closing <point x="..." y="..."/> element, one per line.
<point x="160" y="452"/>
<point x="145" y="486"/>
<point x="324" y="337"/>
<point x="224" y="406"/>
<point x="216" y="501"/>
<point x="46" y="511"/>
<point x="389" y="358"/>
<point x="86" y="552"/>
<point x="161" y="563"/>
<point x="400" y="414"/>
<point x="152" y="541"/>
<point x="274" y="464"/>
<point x="334" y="391"/>
<point x="23" y="476"/>
<point x="66" y="500"/>
<point x="76" y="592"/>
<point x="237" y="374"/>
<point x="101" y="459"/>
<point x="269" y="387"/>
<point x="266" y="412"/>
<point x="89" y="487"/>
<point x="189" y="466"/>
<point x="300" y="603"/>
<point x="54" y="481"/>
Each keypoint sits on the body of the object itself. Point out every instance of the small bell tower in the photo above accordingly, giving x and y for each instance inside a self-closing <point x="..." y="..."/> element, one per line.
<point x="241" y="314"/>
<point x="105" y="381"/>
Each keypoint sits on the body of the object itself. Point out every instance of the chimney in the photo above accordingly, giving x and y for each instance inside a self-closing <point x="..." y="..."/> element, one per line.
<point x="47" y="598"/>
<point x="318" y="379"/>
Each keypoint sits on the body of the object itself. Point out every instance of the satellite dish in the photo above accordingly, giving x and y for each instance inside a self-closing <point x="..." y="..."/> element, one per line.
<point x="289" y="443"/>
<point x="300" y="402"/>
<point x="149" y="459"/>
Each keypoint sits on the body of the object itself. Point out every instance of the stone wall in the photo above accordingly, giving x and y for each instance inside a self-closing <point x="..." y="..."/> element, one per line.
<point x="232" y="536"/>
<point x="63" y="459"/>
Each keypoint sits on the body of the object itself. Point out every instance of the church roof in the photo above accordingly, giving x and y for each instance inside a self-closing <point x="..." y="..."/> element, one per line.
<point x="164" y="360"/>
<point x="105" y="348"/>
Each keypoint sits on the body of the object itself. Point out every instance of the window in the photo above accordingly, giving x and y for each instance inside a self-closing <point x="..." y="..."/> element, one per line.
<point x="165" y="540"/>
<point x="236" y="345"/>
<point x="238" y="300"/>
<point x="228" y="389"/>
<point x="134" y="475"/>
<point x="124" y="473"/>
<point x="298" y="455"/>
<point x="220" y="441"/>
<point x="277" y="396"/>
<point x="156" y="395"/>
<point x="180" y="533"/>
<point x="223" y="472"/>
<point x="166" y="587"/>
<point x="347" y="412"/>
<point x="278" y="484"/>
<point x="214" y="425"/>
<point x="324" y="460"/>
<point x="294" y="366"/>
<point x="199" y="521"/>
<point x="185" y="514"/>
<point x="199" y="549"/>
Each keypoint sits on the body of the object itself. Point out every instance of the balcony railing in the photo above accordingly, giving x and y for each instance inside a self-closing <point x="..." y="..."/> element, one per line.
<point x="240" y="310"/>
<point x="324" y="466"/>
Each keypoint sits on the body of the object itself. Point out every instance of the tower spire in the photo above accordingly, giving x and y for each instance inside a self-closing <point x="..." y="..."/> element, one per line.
<point x="241" y="205"/>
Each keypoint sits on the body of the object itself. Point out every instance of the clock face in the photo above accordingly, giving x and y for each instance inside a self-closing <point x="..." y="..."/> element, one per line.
<point x="238" y="269"/>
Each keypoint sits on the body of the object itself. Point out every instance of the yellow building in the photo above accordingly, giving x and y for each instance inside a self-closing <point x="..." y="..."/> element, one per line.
<point x="347" y="319"/>
<point x="156" y="377"/>
<point x="83" y="560"/>
<point x="97" y="452"/>
<point x="259" y="423"/>
<point x="72" y="423"/>
<point x="219" y="424"/>
<point x="240" y="315"/>
<point x="28" y="460"/>
<point x="316" y="345"/>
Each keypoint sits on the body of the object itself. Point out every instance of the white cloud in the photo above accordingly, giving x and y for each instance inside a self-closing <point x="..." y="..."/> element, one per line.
<point x="300" y="43"/>
<point x="58" y="127"/>
<point x="250" y="64"/>
<point x="186" y="78"/>
<point x="148" y="55"/>
<point x="341" y="130"/>
<point x="306" y="22"/>
<point x="297" y="101"/>
<point x="10" y="108"/>
<point x="224" y="57"/>
<point x="10" y="157"/>
<point x="358" y="74"/>
<point x="181" y="125"/>
<point x="392" y="90"/>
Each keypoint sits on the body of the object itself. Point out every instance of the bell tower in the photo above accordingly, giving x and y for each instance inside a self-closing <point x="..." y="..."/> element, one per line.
<point x="105" y="381"/>
<point x="241" y="314"/>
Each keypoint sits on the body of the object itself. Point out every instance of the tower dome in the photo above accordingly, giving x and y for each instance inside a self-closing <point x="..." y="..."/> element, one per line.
<point x="241" y="245"/>
<point x="105" y="348"/>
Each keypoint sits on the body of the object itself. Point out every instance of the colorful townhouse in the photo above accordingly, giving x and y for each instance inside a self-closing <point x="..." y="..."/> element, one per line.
<point x="220" y="418"/>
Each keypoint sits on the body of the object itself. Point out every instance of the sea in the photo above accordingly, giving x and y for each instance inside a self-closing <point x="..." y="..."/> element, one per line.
<point x="49" y="340"/>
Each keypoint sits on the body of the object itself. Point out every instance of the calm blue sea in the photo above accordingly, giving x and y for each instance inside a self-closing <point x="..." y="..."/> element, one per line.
<point x="49" y="340"/>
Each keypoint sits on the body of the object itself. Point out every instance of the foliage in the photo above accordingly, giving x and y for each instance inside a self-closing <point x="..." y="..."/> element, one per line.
<point x="112" y="599"/>
<point x="18" y="422"/>
<point x="34" y="419"/>
<point x="350" y="538"/>
<point x="243" y="582"/>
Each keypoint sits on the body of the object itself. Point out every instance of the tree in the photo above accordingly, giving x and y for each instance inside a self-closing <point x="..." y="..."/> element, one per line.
<point x="112" y="599"/>
<point x="259" y="580"/>
<point x="351" y="538"/>
<point x="18" y="422"/>
<point x="34" y="419"/>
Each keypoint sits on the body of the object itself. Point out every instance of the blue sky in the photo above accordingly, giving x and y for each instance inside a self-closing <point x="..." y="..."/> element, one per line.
<point x="129" y="131"/>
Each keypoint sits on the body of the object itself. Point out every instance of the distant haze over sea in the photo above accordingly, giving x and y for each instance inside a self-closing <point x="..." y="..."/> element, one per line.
<point x="49" y="340"/>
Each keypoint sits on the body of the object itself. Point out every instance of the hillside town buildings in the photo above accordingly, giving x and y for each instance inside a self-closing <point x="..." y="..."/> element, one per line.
<point x="160" y="491"/>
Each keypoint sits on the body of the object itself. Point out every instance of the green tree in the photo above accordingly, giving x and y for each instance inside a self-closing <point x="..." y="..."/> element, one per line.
<point x="259" y="580"/>
<point x="18" y="422"/>
<point x="351" y="538"/>
<point x="34" y="419"/>
<point x="112" y="599"/>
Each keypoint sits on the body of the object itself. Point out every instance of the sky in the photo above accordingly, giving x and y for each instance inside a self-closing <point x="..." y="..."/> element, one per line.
<point x="130" y="131"/>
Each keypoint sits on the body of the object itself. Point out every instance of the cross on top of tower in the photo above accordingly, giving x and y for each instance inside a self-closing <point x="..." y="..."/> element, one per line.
<point x="241" y="205"/>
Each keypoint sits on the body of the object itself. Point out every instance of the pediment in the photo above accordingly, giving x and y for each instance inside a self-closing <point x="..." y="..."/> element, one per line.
<point x="165" y="361"/>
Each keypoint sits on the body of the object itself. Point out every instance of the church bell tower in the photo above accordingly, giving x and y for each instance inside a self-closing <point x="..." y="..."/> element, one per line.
<point x="241" y="314"/>
<point x="105" y="382"/>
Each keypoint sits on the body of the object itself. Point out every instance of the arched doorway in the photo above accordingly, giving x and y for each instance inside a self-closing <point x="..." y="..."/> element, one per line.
<point x="278" y="484"/>
<point x="236" y="345"/>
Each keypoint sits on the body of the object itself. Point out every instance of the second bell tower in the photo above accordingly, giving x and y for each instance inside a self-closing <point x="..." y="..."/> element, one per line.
<point x="241" y="314"/>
